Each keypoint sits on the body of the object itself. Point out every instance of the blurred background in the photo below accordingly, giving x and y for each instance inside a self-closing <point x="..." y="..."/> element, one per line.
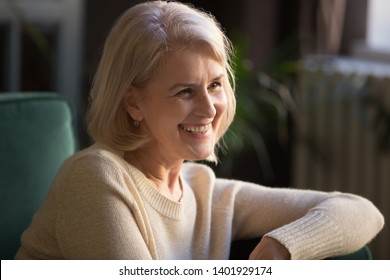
<point x="313" y="85"/>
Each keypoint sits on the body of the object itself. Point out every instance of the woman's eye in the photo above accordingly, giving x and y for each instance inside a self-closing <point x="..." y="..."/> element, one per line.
<point x="215" y="85"/>
<point x="185" y="92"/>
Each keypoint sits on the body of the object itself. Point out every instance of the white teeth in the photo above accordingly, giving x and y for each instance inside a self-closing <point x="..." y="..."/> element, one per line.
<point x="196" y="129"/>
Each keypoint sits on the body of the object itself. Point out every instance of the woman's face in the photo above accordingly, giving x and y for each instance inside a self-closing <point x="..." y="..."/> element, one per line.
<point x="181" y="107"/>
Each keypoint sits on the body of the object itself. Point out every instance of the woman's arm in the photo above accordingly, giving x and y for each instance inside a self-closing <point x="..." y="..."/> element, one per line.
<point x="270" y="249"/>
<point x="310" y="224"/>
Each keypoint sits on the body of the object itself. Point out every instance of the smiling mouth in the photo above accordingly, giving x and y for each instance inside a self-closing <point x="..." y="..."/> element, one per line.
<point x="195" y="129"/>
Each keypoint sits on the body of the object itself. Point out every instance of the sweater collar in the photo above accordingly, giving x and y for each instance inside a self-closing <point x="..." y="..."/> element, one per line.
<point x="162" y="204"/>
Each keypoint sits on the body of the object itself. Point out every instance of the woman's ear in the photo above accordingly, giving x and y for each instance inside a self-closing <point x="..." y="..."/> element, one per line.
<point x="130" y="102"/>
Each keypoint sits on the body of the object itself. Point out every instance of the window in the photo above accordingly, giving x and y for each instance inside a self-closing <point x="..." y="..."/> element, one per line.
<point x="40" y="46"/>
<point x="378" y="25"/>
<point x="376" y="45"/>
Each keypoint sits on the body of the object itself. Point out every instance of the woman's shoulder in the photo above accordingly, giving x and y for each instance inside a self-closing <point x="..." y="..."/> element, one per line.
<point x="96" y="153"/>
<point x="92" y="169"/>
<point x="95" y="158"/>
<point x="194" y="169"/>
<point x="199" y="177"/>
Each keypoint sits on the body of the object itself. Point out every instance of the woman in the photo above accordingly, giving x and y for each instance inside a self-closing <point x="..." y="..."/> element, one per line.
<point x="162" y="95"/>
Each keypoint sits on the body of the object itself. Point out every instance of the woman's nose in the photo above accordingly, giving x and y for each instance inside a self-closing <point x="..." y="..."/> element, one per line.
<point x="205" y="106"/>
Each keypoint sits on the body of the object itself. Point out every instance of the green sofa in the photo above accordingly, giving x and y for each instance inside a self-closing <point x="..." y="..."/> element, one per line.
<point x="36" y="136"/>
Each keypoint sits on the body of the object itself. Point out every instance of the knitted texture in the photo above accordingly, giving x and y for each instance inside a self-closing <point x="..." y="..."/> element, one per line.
<point x="100" y="207"/>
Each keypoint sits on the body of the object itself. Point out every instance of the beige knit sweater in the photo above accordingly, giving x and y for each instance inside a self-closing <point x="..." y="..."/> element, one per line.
<point x="100" y="207"/>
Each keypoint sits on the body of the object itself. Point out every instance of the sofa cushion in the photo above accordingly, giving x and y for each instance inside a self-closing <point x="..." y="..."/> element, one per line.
<point x="36" y="137"/>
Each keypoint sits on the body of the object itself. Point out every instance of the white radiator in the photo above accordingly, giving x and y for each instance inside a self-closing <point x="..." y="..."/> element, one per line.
<point x="342" y="139"/>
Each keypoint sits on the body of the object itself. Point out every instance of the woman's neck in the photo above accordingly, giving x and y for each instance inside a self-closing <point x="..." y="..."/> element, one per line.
<point x="164" y="175"/>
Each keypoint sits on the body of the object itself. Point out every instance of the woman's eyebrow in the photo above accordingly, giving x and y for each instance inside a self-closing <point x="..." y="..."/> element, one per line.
<point x="181" y="85"/>
<point x="218" y="77"/>
<point x="184" y="85"/>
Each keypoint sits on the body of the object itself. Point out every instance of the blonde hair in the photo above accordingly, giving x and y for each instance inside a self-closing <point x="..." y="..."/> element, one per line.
<point x="134" y="50"/>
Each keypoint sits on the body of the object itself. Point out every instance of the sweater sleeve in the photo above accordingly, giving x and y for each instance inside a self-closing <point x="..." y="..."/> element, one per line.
<point x="310" y="224"/>
<point x="96" y="213"/>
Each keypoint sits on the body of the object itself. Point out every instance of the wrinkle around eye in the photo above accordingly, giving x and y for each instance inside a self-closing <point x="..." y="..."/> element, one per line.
<point x="187" y="92"/>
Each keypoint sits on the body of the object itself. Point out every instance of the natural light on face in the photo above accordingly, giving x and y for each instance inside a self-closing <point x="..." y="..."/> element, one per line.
<point x="183" y="106"/>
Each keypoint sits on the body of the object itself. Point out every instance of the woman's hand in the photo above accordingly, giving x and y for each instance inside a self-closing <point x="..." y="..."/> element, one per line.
<point x="270" y="249"/>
